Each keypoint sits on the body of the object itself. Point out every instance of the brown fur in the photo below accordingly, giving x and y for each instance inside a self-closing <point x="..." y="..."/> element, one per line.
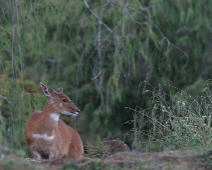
<point x="66" y="142"/>
<point x="116" y="146"/>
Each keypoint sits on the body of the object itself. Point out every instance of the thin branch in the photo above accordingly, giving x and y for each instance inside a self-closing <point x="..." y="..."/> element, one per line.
<point x="99" y="20"/>
<point x="96" y="76"/>
<point x="4" y="98"/>
<point x="50" y="59"/>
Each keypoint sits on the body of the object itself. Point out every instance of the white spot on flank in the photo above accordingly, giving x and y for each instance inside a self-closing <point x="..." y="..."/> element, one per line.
<point x="61" y="104"/>
<point x="37" y="154"/>
<point x="55" y="116"/>
<point x="43" y="136"/>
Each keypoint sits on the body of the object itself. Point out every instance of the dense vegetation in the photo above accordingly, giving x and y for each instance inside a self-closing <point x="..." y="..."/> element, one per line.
<point x="107" y="55"/>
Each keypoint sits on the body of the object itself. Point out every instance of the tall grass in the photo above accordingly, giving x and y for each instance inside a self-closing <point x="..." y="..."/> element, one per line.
<point x="176" y="121"/>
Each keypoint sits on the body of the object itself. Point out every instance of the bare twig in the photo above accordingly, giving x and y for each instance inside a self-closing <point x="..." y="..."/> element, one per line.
<point x="50" y="59"/>
<point x="4" y="98"/>
<point x="99" y="20"/>
<point x="96" y="76"/>
<point x="97" y="70"/>
<point x="149" y="117"/>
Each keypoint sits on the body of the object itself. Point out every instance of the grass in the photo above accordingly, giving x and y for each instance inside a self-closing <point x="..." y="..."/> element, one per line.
<point x="166" y="160"/>
<point x="12" y="163"/>
<point x="176" y="121"/>
<point x="174" y="134"/>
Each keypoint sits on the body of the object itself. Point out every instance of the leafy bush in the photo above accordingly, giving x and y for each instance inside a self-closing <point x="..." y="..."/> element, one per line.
<point x="17" y="107"/>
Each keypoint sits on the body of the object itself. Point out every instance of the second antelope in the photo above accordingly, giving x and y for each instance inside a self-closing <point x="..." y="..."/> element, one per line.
<point x="47" y="135"/>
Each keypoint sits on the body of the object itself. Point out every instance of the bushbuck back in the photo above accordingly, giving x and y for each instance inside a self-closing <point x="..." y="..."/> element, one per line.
<point x="49" y="137"/>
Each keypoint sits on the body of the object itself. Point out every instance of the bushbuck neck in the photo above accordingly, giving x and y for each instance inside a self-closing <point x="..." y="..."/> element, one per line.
<point x="48" y="119"/>
<point x="57" y="103"/>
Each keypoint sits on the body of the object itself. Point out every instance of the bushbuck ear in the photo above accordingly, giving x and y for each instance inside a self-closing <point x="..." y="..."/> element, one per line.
<point x="60" y="90"/>
<point x="46" y="90"/>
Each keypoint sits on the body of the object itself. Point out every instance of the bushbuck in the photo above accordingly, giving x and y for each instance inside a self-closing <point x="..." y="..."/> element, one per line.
<point x="49" y="137"/>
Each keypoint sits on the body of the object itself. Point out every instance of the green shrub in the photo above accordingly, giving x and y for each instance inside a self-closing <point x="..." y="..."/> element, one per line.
<point x="15" y="114"/>
<point x="177" y="121"/>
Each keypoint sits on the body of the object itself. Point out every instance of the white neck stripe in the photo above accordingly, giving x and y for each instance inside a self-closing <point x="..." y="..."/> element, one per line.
<point x="43" y="136"/>
<point x="54" y="116"/>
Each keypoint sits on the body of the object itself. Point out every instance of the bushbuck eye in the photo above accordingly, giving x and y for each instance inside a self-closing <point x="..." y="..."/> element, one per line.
<point x="65" y="100"/>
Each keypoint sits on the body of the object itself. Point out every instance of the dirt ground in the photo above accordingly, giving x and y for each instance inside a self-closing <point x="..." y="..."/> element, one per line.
<point x="173" y="160"/>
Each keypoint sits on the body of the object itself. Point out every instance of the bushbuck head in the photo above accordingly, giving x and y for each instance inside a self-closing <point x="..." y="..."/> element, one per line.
<point x="59" y="102"/>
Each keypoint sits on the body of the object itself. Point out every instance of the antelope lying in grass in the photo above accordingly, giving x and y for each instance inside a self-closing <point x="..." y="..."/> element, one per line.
<point x="49" y="137"/>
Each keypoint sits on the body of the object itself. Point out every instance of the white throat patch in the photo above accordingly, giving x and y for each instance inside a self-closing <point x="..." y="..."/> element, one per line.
<point x="55" y="116"/>
<point x="43" y="136"/>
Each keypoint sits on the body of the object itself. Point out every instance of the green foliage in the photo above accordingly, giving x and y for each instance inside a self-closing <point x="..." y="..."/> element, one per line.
<point x="69" y="165"/>
<point x="2" y="130"/>
<point x="16" y="112"/>
<point x="5" y="37"/>
<point x="97" y="149"/>
<point x="99" y="52"/>
<point x="11" y="163"/>
<point x="177" y="121"/>
<point x="92" y="165"/>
